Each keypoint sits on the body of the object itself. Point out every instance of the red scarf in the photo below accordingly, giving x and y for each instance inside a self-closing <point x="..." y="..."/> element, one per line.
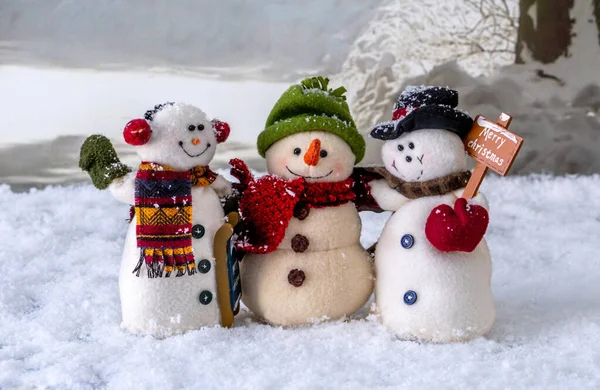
<point x="267" y="206"/>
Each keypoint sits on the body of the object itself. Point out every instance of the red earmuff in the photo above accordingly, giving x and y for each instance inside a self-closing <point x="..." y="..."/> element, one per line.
<point x="221" y="129"/>
<point x="137" y="132"/>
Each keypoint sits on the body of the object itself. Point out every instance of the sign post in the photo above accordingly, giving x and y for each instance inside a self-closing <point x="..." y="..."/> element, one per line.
<point x="493" y="146"/>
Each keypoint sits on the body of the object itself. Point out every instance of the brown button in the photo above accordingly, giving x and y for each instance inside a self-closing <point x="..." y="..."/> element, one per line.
<point x="299" y="243"/>
<point x="296" y="277"/>
<point x="301" y="211"/>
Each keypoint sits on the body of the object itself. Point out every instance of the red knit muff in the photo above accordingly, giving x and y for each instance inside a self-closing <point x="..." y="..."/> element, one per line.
<point x="267" y="206"/>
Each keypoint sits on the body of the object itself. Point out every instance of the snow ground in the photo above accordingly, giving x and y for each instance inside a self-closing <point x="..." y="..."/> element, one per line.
<point x="60" y="314"/>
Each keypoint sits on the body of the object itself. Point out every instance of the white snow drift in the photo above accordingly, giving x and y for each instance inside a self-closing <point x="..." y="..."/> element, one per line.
<point x="60" y="314"/>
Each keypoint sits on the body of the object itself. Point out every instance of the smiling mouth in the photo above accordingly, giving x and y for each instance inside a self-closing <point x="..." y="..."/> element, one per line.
<point x="307" y="177"/>
<point x="193" y="155"/>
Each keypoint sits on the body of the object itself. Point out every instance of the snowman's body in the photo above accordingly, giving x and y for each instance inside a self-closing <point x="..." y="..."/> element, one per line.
<point x="338" y="271"/>
<point x="448" y="293"/>
<point x="166" y="306"/>
<point x="182" y="138"/>
<point x="423" y="293"/>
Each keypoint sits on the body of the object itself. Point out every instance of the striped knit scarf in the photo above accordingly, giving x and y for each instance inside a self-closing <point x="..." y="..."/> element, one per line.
<point x="163" y="206"/>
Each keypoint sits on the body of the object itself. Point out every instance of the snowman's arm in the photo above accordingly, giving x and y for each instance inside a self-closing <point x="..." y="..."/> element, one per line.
<point x="123" y="188"/>
<point x="479" y="199"/>
<point x="221" y="186"/>
<point x="386" y="197"/>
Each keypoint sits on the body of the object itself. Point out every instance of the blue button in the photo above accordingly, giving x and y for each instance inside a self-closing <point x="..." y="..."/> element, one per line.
<point x="407" y="241"/>
<point x="410" y="297"/>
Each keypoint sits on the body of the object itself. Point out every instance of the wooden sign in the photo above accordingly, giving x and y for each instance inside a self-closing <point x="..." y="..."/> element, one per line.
<point x="493" y="146"/>
<point x="229" y="287"/>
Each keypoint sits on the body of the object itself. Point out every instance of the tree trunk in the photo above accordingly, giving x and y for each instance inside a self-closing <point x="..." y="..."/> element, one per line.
<point x="544" y="30"/>
<point x="597" y="14"/>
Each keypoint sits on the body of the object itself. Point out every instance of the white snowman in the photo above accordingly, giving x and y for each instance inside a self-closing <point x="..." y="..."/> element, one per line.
<point x="432" y="264"/>
<point x="304" y="260"/>
<point x="167" y="278"/>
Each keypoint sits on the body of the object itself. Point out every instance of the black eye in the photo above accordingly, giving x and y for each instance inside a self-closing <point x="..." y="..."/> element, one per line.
<point x="191" y="128"/>
<point x="323" y="153"/>
<point x="411" y="145"/>
<point x="297" y="151"/>
<point x="200" y="127"/>
<point x="400" y="147"/>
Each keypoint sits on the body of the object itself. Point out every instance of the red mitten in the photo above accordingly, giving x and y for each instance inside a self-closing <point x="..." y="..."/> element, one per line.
<point x="240" y="171"/>
<point x="461" y="229"/>
<point x="267" y="206"/>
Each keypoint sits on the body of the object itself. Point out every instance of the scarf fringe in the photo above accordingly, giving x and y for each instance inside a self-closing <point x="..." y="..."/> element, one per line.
<point x="158" y="263"/>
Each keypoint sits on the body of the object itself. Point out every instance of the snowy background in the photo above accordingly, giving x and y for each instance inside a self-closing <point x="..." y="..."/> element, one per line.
<point x="69" y="69"/>
<point x="60" y="312"/>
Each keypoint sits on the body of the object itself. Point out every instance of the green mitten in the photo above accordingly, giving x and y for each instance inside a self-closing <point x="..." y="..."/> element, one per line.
<point x="99" y="158"/>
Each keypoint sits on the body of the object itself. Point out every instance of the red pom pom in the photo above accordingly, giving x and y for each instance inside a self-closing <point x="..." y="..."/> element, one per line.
<point x="222" y="130"/>
<point x="137" y="132"/>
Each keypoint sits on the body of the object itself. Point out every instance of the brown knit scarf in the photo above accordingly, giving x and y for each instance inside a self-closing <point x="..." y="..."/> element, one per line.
<point x="413" y="190"/>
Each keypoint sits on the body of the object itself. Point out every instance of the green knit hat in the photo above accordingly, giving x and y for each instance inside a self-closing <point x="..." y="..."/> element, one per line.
<point x="310" y="106"/>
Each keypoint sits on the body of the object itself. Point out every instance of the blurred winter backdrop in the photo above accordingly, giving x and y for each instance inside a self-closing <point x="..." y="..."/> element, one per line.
<point x="72" y="68"/>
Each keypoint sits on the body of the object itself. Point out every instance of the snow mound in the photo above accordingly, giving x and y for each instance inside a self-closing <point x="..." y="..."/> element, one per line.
<point x="60" y="311"/>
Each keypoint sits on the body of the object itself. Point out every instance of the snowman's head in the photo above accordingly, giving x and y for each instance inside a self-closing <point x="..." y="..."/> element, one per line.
<point x="177" y="135"/>
<point x="424" y="155"/>
<point x="316" y="156"/>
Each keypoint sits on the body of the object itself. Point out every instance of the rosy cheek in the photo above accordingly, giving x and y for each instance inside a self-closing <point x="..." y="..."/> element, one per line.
<point x="338" y="167"/>
<point x="283" y="162"/>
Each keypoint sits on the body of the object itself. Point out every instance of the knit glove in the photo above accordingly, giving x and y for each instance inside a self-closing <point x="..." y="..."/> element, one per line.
<point x="99" y="159"/>
<point x="240" y="171"/>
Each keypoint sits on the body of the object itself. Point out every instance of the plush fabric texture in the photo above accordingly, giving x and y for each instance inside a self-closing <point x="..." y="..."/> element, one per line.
<point x="424" y="155"/>
<point x="455" y="300"/>
<point x="311" y="106"/>
<point x="163" y="205"/>
<point x="267" y="206"/>
<point x="459" y="229"/>
<point x="174" y="195"/>
<point x="137" y="132"/>
<point x="316" y="226"/>
<point x="336" y="283"/>
<point x="162" y="307"/>
<point x="183" y="137"/>
<point x="221" y="129"/>
<point x="363" y="177"/>
<point x="425" y="108"/>
<point x="99" y="159"/>
<point x="413" y="190"/>
<point x="333" y="162"/>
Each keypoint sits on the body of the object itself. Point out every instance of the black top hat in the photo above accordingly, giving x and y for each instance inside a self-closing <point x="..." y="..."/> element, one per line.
<point x="425" y="108"/>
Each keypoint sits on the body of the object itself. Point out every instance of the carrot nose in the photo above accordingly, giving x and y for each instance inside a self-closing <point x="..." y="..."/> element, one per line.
<point x="311" y="157"/>
<point x="195" y="141"/>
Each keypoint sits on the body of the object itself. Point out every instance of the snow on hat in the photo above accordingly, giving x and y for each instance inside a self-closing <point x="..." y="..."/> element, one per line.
<point x="422" y="107"/>
<point x="310" y="106"/>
